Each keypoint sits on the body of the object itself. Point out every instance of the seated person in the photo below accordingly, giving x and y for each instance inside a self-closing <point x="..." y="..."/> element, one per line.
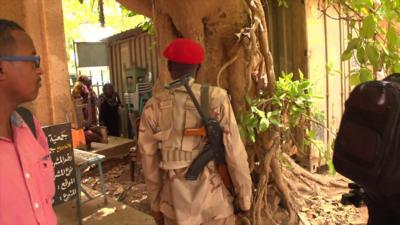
<point x="109" y="104"/>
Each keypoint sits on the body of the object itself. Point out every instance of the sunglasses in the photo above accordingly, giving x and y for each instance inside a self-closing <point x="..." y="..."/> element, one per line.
<point x="35" y="59"/>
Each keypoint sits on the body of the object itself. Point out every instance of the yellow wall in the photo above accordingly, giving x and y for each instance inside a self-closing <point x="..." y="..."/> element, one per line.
<point x="43" y="20"/>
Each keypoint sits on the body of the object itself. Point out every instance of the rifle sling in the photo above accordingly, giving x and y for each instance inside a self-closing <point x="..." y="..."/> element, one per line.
<point x="205" y="99"/>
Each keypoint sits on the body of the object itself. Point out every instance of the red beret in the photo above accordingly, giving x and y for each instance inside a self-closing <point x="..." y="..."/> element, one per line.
<point x="186" y="51"/>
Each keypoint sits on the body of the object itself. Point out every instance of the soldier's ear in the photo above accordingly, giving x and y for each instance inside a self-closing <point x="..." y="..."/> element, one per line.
<point x="169" y="65"/>
<point x="1" y="68"/>
<point x="2" y="75"/>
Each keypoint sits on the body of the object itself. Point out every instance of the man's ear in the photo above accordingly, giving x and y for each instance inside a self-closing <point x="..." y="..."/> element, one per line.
<point x="169" y="65"/>
<point x="1" y="69"/>
<point x="2" y="74"/>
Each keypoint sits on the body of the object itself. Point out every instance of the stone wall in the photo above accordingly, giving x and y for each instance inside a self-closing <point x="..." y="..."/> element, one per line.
<point x="43" y="20"/>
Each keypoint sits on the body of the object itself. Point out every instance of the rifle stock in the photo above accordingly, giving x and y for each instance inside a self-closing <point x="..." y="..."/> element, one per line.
<point x="227" y="180"/>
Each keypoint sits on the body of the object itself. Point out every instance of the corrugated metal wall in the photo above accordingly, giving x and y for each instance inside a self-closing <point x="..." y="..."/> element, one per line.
<point x="311" y="46"/>
<point x="287" y="37"/>
<point x="302" y="37"/>
<point x="133" y="49"/>
<point x="128" y="49"/>
<point x="326" y="41"/>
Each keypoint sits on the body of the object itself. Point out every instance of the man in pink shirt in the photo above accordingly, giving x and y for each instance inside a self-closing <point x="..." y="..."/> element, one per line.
<point x="26" y="171"/>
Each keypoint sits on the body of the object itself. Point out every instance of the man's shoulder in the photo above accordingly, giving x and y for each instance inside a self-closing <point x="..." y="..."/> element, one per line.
<point x="155" y="100"/>
<point x="29" y="121"/>
<point x="24" y="115"/>
<point x="217" y="95"/>
<point x="213" y="90"/>
<point x="160" y="95"/>
<point x="218" y="91"/>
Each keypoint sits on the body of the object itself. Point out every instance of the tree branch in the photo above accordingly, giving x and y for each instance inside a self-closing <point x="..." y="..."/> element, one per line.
<point x="143" y="7"/>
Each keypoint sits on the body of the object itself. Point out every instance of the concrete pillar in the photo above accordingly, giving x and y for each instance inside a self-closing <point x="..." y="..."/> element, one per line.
<point x="43" y="20"/>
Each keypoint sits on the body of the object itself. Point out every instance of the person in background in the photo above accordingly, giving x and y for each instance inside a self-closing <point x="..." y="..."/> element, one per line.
<point x="81" y="92"/>
<point x="80" y="89"/>
<point x="109" y="103"/>
<point x="26" y="171"/>
<point x="93" y="102"/>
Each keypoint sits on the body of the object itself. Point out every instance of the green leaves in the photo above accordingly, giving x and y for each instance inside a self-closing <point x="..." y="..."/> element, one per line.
<point x="249" y="120"/>
<point x="354" y="79"/>
<point x="372" y="54"/>
<point x="368" y="27"/>
<point x="292" y="102"/>
<point x="362" y="3"/>
<point x="359" y="76"/>
<point x="292" y="98"/>
<point x="331" y="167"/>
<point x="348" y="53"/>
<point x="264" y="124"/>
<point x="258" y="112"/>
<point x="396" y="68"/>
<point x="373" y="37"/>
<point x="283" y="3"/>
<point x="353" y="44"/>
<point x="251" y="135"/>
<point x="365" y="75"/>
<point x="361" y="55"/>
<point x="148" y="26"/>
<point x="392" y="38"/>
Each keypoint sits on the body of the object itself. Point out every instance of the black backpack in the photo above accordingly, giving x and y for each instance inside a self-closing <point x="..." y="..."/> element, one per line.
<point x="28" y="118"/>
<point x="367" y="147"/>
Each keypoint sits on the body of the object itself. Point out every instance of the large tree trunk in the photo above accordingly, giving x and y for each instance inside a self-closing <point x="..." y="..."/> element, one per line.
<point x="234" y="35"/>
<point x="238" y="58"/>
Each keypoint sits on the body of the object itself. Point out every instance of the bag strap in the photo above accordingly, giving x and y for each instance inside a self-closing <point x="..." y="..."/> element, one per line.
<point x="28" y="118"/>
<point x="205" y="99"/>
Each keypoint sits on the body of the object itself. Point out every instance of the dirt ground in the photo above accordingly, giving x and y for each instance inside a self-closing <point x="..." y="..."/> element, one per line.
<point x="118" y="184"/>
<point x="324" y="209"/>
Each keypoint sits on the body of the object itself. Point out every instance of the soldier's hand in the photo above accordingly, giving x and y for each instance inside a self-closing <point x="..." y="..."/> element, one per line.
<point x="158" y="217"/>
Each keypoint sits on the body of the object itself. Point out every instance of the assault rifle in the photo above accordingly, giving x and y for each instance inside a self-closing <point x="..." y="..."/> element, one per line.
<point x="214" y="148"/>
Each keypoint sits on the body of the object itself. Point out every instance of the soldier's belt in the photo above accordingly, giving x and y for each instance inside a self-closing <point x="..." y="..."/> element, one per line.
<point x="179" y="155"/>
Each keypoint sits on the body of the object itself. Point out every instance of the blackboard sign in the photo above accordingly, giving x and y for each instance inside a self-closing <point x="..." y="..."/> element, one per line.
<point x="62" y="154"/>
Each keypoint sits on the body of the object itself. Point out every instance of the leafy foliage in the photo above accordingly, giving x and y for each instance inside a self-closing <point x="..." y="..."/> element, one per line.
<point x="373" y="40"/>
<point x="282" y="3"/>
<point x="293" y="105"/>
<point x="85" y="12"/>
<point x="146" y="25"/>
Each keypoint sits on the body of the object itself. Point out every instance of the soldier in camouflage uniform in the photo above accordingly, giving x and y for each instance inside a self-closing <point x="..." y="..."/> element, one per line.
<point x="167" y="152"/>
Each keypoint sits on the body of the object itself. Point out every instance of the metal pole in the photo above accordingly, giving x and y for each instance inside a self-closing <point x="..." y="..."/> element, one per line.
<point x="103" y="190"/>
<point x="75" y="58"/>
<point x="102" y="78"/>
<point x="78" y="197"/>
